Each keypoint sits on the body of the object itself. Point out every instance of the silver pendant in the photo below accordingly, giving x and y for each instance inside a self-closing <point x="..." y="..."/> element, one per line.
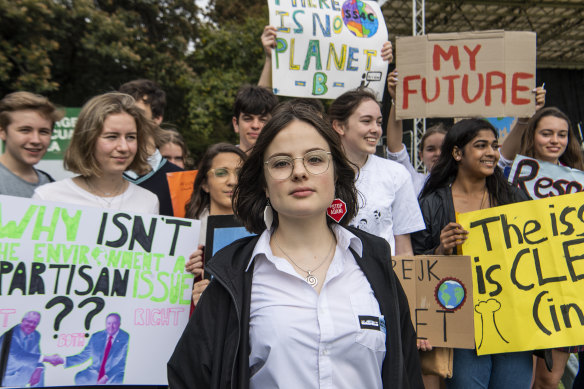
<point x="312" y="280"/>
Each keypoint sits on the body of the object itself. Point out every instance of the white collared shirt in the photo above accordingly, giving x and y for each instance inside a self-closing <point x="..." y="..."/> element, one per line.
<point x="301" y="339"/>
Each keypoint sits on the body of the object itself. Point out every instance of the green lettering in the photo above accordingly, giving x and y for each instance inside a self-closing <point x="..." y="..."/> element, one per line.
<point x="37" y="254"/>
<point x="82" y="260"/>
<point x="113" y="258"/>
<point x="71" y="223"/>
<point x="313" y="51"/>
<point x="179" y="265"/>
<point x="13" y="231"/>
<point x="163" y="283"/>
<point x="186" y="286"/>
<point x="319" y="84"/>
<point x="50" y="229"/>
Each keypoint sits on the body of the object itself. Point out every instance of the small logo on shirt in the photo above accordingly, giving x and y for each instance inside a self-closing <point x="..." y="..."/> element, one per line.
<point x="369" y="323"/>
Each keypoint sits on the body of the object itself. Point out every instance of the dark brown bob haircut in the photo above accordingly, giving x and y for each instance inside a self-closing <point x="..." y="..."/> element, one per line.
<point x="249" y="199"/>
<point x="80" y="157"/>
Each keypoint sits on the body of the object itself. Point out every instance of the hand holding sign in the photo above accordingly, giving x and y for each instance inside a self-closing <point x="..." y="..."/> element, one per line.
<point x="451" y="236"/>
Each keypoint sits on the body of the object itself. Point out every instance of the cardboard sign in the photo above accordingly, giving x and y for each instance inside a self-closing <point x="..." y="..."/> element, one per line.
<point x="470" y="74"/>
<point x="543" y="179"/>
<point x="528" y="274"/>
<point x="439" y="290"/>
<point x="181" y="186"/>
<point x="82" y="272"/>
<point x="326" y="47"/>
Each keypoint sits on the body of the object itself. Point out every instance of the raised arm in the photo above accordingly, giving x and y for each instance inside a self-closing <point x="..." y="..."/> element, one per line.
<point x="395" y="130"/>
<point x="268" y="43"/>
<point x="512" y="142"/>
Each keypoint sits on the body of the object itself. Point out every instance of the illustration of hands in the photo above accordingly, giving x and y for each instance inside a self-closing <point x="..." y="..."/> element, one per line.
<point x="54" y="359"/>
<point x="35" y="377"/>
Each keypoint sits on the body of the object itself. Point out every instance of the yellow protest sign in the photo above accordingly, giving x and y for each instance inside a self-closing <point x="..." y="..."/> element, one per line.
<point x="528" y="274"/>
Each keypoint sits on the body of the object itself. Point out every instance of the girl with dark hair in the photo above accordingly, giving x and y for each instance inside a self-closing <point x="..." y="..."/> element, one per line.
<point x="212" y="195"/>
<point x="308" y="302"/>
<point x="388" y="198"/>
<point x="466" y="178"/>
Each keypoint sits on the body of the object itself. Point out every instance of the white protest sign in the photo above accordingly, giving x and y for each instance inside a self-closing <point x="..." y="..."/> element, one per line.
<point x="543" y="179"/>
<point x="326" y="47"/>
<point x="76" y="266"/>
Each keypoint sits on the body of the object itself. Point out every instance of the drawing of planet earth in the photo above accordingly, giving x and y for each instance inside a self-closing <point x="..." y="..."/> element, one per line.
<point x="360" y="18"/>
<point x="450" y="294"/>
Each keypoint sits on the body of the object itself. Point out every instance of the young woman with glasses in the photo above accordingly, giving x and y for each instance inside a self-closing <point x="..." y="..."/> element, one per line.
<point x="307" y="303"/>
<point x="212" y="195"/>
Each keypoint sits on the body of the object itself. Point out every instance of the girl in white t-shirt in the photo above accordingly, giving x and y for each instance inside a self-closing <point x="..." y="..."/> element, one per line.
<point x="110" y="137"/>
<point x="388" y="207"/>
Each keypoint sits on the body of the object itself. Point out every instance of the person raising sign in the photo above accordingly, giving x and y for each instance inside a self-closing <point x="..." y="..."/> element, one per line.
<point x="307" y="302"/>
<point x="466" y="178"/>
<point x="109" y="137"/>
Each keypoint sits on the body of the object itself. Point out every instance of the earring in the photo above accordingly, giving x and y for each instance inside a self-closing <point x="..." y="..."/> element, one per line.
<point x="268" y="215"/>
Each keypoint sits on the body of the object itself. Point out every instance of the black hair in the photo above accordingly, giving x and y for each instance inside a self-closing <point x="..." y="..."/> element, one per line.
<point x="254" y="100"/>
<point x="201" y="200"/>
<point x="445" y="170"/>
<point x="149" y="92"/>
<point x="249" y="199"/>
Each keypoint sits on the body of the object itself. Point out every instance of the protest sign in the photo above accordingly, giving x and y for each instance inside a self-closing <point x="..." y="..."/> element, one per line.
<point x="527" y="274"/>
<point x="326" y="47"/>
<point x="439" y="290"/>
<point x="222" y="230"/>
<point x="181" y="186"/>
<point x="470" y="74"/>
<point x="543" y="179"/>
<point x="75" y="267"/>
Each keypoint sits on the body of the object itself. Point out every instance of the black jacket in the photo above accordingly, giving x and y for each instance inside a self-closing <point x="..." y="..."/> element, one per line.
<point x="214" y="349"/>
<point x="438" y="210"/>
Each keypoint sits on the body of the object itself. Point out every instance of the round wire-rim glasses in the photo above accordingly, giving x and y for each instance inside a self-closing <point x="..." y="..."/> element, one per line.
<point x="281" y="167"/>
<point x="222" y="172"/>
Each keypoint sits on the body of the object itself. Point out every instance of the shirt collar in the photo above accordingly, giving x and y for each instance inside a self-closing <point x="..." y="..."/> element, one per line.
<point x="345" y="240"/>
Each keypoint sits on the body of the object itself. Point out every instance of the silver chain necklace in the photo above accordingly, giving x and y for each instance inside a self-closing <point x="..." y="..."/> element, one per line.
<point x="311" y="279"/>
<point x="104" y="195"/>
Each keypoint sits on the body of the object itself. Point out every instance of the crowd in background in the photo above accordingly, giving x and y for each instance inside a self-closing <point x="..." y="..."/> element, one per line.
<point x="303" y="273"/>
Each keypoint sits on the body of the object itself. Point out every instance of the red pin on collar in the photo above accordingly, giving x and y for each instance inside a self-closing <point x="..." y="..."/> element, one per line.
<point x="337" y="210"/>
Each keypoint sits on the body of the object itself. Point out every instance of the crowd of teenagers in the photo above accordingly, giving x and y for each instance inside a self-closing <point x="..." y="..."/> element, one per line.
<point x="285" y="308"/>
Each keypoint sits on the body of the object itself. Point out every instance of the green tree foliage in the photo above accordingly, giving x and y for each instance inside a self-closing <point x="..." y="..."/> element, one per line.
<point x="70" y="50"/>
<point x="226" y="57"/>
